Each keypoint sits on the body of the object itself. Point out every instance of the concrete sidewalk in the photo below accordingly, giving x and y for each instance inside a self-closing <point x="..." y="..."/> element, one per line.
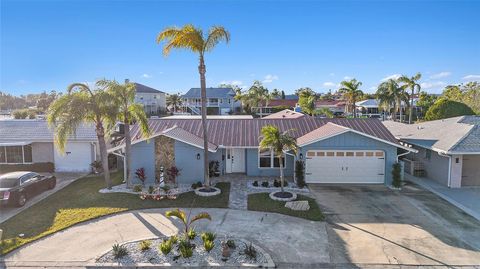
<point x="465" y="198"/>
<point x="285" y="238"/>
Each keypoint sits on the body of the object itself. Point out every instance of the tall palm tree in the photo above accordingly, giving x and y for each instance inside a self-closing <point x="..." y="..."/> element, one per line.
<point x="191" y="38"/>
<point x="174" y="100"/>
<point x="82" y="105"/>
<point x="129" y="112"/>
<point x="279" y="143"/>
<point x="412" y="84"/>
<point x="350" y="90"/>
<point x="390" y="90"/>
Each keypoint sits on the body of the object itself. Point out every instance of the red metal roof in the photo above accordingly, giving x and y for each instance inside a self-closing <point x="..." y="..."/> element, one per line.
<point x="245" y="132"/>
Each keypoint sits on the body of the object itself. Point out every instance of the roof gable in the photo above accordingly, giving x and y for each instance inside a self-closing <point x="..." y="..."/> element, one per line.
<point x="140" y="88"/>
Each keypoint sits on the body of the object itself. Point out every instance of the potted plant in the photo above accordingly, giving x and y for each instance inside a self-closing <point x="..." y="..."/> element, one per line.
<point x="96" y="167"/>
<point x="216" y="167"/>
<point x="140" y="174"/>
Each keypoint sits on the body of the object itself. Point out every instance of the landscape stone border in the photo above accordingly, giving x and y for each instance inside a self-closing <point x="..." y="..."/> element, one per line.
<point x="266" y="255"/>
<point x="273" y="197"/>
<point x="208" y="194"/>
<point x="287" y="188"/>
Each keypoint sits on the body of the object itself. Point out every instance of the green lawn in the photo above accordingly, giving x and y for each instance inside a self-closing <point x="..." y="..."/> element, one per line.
<point x="80" y="201"/>
<point x="262" y="202"/>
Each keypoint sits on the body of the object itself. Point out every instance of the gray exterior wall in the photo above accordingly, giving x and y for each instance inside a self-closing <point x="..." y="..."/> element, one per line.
<point x="42" y="152"/>
<point x="252" y="168"/>
<point x="436" y="167"/>
<point x="143" y="155"/>
<point x="353" y="141"/>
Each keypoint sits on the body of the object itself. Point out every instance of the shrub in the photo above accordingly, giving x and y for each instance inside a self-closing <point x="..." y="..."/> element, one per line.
<point x="137" y="188"/>
<point x="276" y="183"/>
<point x="208" y="245"/>
<point x="194" y="186"/>
<point x="96" y="166"/>
<point x="300" y="173"/>
<point x="166" y="246"/>
<point x="185" y="248"/>
<point x="145" y="245"/>
<point x="151" y="189"/>
<point x="255" y="183"/>
<point x="199" y="184"/>
<point x="231" y="244"/>
<point x="173" y="239"/>
<point x="397" y="175"/>
<point x="285" y="183"/>
<point x="265" y="184"/>
<point x="250" y="251"/>
<point x="191" y="234"/>
<point x="208" y="236"/>
<point x="119" y="251"/>
<point x="444" y="108"/>
<point x="140" y="173"/>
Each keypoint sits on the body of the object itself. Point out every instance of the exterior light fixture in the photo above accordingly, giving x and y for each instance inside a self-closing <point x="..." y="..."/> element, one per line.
<point x="300" y="156"/>
<point x="198" y="156"/>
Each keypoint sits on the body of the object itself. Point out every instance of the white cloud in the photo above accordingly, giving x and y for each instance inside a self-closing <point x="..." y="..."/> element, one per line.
<point x="394" y="76"/>
<point x="433" y="85"/>
<point x="347" y="78"/>
<point x="232" y="82"/>
<point x="329" y="84"/>
<point x="440" y="75"/>
<point x="146" y="76"/>
<point x="331" y="74"/>
<point x="270" y="78"/>
<point x="471" y="77"/>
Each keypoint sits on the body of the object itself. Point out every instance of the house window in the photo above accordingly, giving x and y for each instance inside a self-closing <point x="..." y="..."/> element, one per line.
<point x="266" y="159"/>
<point x="428" y="154"/>
<point x="155" y="96"/>
<point x="16" y="154"/>
<point x="220" y="100"/>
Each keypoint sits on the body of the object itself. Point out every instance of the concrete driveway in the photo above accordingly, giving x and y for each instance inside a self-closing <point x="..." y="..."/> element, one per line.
<point x="63" y="179"/>
<point x="375" y="225"/>
<point x="285" y="238"/>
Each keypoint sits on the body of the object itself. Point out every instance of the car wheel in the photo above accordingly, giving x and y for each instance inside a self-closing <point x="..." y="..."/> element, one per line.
<point x="22" y="199"/>
<point x="52" y="184"/>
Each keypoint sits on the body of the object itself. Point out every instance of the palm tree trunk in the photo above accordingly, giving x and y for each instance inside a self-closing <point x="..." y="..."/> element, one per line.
<point x="202" y="70"/>
<point x="400" y="106"/>
<point x="128" y="149"/>
<point x="354" y="107"/>
<point x="411" y="108"/>
<point x="103" y="153"/>
<point x="281" y="171"/>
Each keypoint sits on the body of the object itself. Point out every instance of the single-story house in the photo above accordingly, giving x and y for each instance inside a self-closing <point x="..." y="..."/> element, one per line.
<point x="335" y="106"/>
<point x="29" y="145"/>
<point x="286" y="114"/>
<point x="220" y="101"/>
<point x="334" y="150"/>
<point x="448" y="149"/>
<point x="275" y="105"/>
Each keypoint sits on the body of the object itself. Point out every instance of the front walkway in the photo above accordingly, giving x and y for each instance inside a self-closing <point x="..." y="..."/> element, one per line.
<point x="465" y="198"/>
<point x="287" y="239"/>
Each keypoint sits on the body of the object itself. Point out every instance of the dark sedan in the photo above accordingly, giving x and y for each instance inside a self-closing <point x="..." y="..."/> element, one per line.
<point x="17" y="187"/>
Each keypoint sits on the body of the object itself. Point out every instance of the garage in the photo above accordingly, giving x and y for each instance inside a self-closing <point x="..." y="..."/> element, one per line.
<point x="470" y="171"/>
<point x="77" y="157"/>
<point x="345" y="166"/>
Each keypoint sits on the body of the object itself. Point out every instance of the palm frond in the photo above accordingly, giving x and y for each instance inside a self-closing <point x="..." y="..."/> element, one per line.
<point x="138" y="114"/>
<point x="216" y="34"/>
<point x="202" y="215"/>
<point x="180" y="214"/>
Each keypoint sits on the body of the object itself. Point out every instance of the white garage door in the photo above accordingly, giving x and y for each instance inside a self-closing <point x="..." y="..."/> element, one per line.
<point x="77" y="158"/>
<point x="340" y="166"/>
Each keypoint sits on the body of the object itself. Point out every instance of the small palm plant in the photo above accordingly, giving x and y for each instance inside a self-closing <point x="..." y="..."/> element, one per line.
<point x="279" y="142"/>
<point x="186" y="220"/>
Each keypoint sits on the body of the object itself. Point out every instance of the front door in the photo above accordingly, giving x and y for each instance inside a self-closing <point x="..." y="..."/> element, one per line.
<point x="235" y="162"/>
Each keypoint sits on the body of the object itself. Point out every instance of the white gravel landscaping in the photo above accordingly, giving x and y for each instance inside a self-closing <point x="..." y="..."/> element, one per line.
<point x="292" y="186"/>
<point x="200" y="256"/>
<point x="181" y="188"/>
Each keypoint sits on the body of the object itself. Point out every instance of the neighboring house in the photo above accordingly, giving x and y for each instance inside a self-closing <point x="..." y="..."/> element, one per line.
<point x="285" y="114"/>
<point x="371" y="108"/>
<point x="29" y="145"/>
<point x="448" y="149"/>
<point x="334" y="150"/>
<point x="337" y="107"/>
<point x="220" y="101"/>
<point x="275" y="105"/>
<point x="154" y="101"/>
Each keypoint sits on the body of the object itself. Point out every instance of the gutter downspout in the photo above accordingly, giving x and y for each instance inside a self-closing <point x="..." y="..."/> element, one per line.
<point x="402" y="154"/>
<point x="124" y="164"/>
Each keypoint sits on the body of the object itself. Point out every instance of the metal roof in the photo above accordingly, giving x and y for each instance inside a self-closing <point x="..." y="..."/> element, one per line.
<point x="452" y="135"/>
<point x="180" y="134"/>
<point x="211" y="93"/>
<point x="245" y="132"/>
<point x="285" y="114"/>
<point x="325" y="131"/>
<point x="39" y="131"/>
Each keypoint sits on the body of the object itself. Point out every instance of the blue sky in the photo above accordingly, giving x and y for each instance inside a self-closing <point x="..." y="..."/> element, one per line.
<point x="46" y="45"/>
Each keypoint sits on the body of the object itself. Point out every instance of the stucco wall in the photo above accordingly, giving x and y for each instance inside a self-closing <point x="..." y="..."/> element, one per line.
<point x="471" y="170"/>
<point x="42" y="152"/>
<point x="353" y="141"/>
<point x="252" y="168"/>
<point x="143" y="155"/>
<point x="436" y="167"/>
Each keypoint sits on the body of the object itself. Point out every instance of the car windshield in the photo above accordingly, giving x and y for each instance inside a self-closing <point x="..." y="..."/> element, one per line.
<point x="8" y="182"/>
